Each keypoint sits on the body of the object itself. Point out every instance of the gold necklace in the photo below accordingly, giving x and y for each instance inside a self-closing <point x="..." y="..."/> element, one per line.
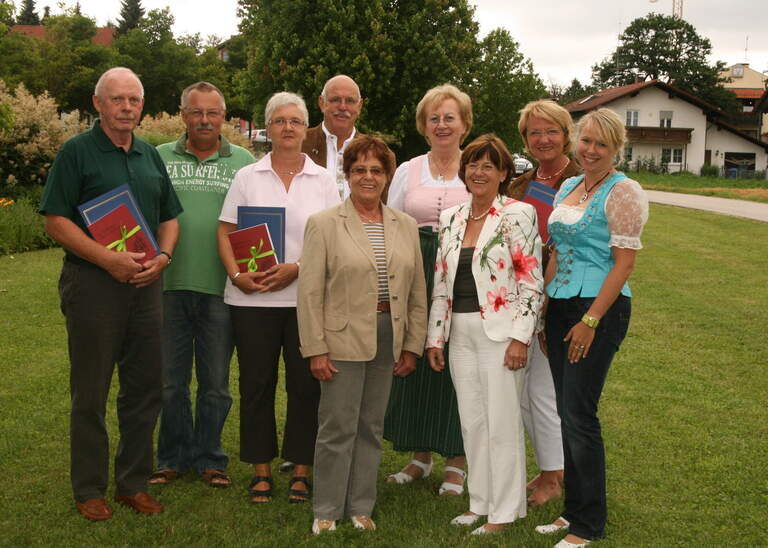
<point x="441" y="169"/>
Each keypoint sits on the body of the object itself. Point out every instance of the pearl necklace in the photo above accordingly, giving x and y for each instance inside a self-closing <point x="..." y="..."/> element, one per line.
<point x="540" y="177"/>
<point x="479" y="216"/>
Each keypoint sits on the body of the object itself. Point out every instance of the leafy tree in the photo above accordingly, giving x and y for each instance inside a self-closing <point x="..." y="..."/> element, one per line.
<point x="576" y="90"/>
<point x="21" y="61"/>
<point x="6" y="16"/>
<point x="131" y="13"/>
<point x="28" y="15"/>
<point x="394" y="49"/>
<point x="505" y="82"/>
<point x="668" y="49"/>
<point x="164" y="65"/>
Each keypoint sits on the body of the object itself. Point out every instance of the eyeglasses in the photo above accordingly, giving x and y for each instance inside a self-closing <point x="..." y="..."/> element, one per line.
<point x="349" y="101"/>
<point x="361" y="171"/>
<point x="485" y="167"/>
<point x="549" y="133"/>
<point x="197" y="113"/>
<point x="447" y="119"/>
<point x="119" y="100"/>
<point x="292" y="122"/>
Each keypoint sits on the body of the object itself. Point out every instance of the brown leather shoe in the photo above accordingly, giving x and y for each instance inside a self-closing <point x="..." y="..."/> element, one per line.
<point x="141" y="502"/>
<point x="94" y="509"/>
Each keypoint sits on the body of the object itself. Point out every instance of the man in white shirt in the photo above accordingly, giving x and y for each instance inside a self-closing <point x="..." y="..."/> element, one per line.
<point x="340" y="103"/>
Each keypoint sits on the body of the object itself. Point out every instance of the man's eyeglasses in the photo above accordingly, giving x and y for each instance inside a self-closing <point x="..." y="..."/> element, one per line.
<point x="197" y="113"/>
<point x="349" y="101"/>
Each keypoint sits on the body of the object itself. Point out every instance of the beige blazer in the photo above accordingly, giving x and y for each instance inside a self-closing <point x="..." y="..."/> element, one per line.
<point x="338" y="286"/>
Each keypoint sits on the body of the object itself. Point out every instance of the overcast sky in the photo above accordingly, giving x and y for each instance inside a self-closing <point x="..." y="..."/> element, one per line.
<point x="563" y="38"/>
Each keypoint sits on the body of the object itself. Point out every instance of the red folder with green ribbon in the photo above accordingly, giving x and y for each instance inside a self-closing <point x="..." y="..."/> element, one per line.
<point x="119" y="230"/>
<point x="253" y="248"/>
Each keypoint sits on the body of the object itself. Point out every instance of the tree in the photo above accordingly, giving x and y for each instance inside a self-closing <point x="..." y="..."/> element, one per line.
<point x="576" y="90"/>
<point x="669" y="49"/>
<point x="164" y="65"/>
<point x="6" y="16"/>
<point x="28" y="15"/>
<point x="131" y="13"/>
<point x="394" y="49"/>
<point x="505" y="82"/>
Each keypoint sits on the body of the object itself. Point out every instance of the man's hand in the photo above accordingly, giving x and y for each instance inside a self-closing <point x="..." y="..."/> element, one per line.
<point x="122" y="266"/>
<point x="153" y="268"/>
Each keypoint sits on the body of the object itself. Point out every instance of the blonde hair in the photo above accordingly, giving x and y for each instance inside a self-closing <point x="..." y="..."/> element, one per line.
<point x="437" y="95"/>
<point x="608" y="125"/>
<point x="550" y="111"/>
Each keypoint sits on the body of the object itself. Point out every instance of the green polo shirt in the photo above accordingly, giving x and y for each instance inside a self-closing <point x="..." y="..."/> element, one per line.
<point x="201" y="187"/>
<point x="90" y="164"/>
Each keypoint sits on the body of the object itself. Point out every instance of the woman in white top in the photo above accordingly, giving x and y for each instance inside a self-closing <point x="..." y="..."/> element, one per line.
<point x="423" y="413"/>
<point x="263" y="304"/>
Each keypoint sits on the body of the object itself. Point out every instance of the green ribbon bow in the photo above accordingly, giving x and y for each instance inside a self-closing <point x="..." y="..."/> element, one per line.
<point x="256" y="253"/>
<point x="122" y="243"/>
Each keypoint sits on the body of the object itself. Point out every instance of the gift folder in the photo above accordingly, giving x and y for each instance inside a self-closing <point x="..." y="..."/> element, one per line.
<point x="541" y="197"/>
<point x="273" y="217"/>
<point x="253" y="248"/>
<point x="113" y="211"/>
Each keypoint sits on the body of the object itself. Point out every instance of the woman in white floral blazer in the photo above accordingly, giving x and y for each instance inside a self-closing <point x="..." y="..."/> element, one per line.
<point x="486" y="299"/>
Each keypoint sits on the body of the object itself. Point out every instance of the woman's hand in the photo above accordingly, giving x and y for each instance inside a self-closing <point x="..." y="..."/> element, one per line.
<point x="581" y="337"/>
<point x="322" y="367"/>
<point x="436" y="358"/>
<point x="405" y="365"/>
<point x="516" y="355"/>
<point x="248" y="282"/>
<point x="279" y="276"/>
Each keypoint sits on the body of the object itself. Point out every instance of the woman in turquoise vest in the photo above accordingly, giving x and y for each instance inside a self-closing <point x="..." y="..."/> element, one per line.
<point x="596" y="226"/>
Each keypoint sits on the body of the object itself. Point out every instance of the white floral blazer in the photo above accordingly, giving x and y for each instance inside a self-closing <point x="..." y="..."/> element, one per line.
<point x="506" y="266"/>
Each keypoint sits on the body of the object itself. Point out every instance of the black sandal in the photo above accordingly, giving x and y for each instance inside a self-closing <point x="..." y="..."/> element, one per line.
<point x="296" y="496"/>
<point x="253" y="493"/>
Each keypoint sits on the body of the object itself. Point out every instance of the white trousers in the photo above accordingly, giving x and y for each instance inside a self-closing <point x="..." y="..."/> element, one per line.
<point x="488" y="395"/>
<point x="539" y="410"/>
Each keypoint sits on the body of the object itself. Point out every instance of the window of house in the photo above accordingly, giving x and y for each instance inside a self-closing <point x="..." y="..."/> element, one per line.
<point x="627" y="154"/>
<point x="665" y="118"/>
<point x="633" y="117"/>
<point x="671" y="155"/>
<point x="737" y="71"/>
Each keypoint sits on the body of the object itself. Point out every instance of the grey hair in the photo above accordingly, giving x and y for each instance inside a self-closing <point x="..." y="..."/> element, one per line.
<point x="284" y="98"/>
<point x="111" y="72"/>
<point x="204" y="87"/>
<point x="324" y="93"/>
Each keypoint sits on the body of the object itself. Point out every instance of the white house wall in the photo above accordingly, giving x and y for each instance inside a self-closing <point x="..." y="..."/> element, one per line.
<point x="649" y="102"/>
<point x="720" y="141"/>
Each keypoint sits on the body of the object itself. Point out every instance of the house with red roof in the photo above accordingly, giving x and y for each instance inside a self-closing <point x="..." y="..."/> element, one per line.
<point x="677" y="129"/>
<point x="749" y="86"/>
<point x="104" y="35"/>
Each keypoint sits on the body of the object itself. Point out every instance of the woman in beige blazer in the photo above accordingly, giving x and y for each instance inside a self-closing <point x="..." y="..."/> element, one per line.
<point x="362" y="313"/>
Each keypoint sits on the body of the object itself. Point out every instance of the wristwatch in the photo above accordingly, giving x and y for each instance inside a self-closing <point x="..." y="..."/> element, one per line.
<point x="591" y="321"/>
<point x="170" y="259"/>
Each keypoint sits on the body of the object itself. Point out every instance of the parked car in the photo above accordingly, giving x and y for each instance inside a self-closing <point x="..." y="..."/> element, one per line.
<point x="260" y="136"/>
<point x="522" y="164"/>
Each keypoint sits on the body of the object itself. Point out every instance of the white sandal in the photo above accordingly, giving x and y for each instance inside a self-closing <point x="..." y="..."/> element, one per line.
<point x="552" y="527"/>
<point x="401" y="477"/>
<point x="447" y="486"/>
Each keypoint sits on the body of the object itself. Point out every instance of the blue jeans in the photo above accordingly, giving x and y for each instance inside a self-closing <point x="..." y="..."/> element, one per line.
<point x="577" y="389"/>
<point x="194" y="324"/>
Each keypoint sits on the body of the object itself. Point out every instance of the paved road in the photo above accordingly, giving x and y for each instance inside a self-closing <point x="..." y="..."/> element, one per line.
<point x="737" y="208"/>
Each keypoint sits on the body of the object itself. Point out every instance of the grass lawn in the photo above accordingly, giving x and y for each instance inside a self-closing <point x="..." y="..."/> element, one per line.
<point x="683" y="411"/>
<point x="742" y="189"/>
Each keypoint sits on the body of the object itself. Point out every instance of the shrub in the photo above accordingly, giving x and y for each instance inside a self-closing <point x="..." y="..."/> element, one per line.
<point x="165" y="128"/>
<point x="21" y="227"/>
<point x="29" y="145"/>
<point x="709" y="171"/>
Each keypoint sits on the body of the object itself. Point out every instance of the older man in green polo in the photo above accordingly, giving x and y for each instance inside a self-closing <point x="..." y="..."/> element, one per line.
<point x="201" y="165"/>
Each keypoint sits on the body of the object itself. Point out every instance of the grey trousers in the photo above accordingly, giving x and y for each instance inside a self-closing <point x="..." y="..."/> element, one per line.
<point x="107" y="323"/>
<point x="351" y="424"/>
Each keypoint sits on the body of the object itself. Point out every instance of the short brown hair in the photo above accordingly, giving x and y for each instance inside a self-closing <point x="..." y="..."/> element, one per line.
<point x="550" y="111"/>
<point x="497" y="152"/>
<point x="437" y="95"/>
<point x="369" y="144"/>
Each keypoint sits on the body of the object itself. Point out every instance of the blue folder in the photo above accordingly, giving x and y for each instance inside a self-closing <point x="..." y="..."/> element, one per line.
<point x="273" y="217"/>
<point x="93" y="210"/>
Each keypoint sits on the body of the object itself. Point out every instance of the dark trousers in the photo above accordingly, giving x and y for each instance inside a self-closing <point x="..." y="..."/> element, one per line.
<point x="260" y="335"/>
<point x="578" y="387"/>
<point x="110" y="322"/>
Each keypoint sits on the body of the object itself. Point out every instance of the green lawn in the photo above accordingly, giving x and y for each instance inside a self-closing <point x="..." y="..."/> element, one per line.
<point x="741" y="189"/>
<point x="684" y="419"/>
